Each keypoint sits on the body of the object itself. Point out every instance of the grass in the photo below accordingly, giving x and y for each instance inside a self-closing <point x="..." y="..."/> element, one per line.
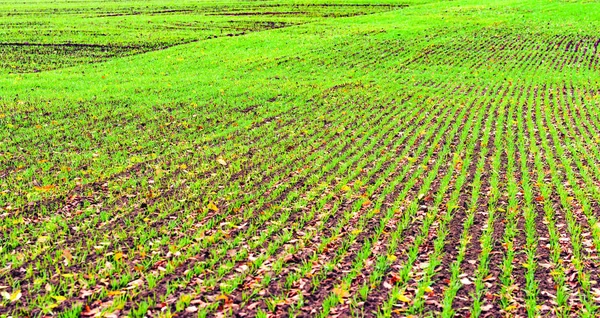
<point x="354" y="158"/>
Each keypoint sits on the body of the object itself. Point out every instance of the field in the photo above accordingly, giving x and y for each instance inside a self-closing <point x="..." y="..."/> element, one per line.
<point x="302" y="158"/>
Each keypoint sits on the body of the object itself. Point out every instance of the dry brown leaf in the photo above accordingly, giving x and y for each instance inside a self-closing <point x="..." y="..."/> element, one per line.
<point x="67" y="254"/>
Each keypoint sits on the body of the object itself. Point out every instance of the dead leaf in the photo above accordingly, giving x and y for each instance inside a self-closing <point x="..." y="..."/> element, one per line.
<point x="212" y="206"/>
<point x="401" y="297"/>
<point x="67" y="254"/>
<point x="465" y="281"/>
<point x="510" y="308"/>
<point x="90" y="312"/>
<point x="341" y="292"/>
<point x="396" y="278"/>
<point x="222" y="297"/>
<point x="16" y="295"/>
<point x="59" y="299"/>
<point x="191" y="309"/>
<point x="135" y="283"/>
<point x="45" y="188"/>
<point x="221" y="161"/>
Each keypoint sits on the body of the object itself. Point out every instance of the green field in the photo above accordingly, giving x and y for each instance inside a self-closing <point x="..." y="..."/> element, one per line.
<point x="306" y="158"/>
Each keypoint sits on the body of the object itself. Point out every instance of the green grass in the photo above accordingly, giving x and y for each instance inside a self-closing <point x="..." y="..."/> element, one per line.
<point x="364" y="158"/>
<point x="48" y="35"/>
